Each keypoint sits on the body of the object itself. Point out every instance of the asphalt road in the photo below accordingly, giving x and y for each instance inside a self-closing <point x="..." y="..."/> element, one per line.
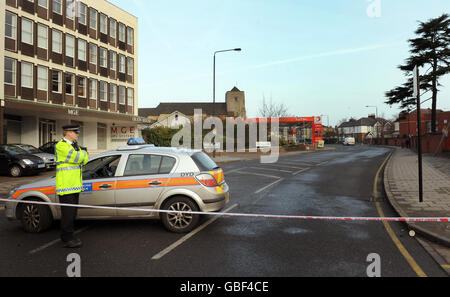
<point x="333" y="183"/>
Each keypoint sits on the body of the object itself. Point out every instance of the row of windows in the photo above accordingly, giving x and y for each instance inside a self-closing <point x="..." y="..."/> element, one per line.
<point x="70" y="82"/>
<point x="70" y="40"/>
<point x="79" y="10"/>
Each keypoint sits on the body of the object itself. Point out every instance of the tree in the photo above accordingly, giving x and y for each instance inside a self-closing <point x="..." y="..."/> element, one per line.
<point x="273" y="110"/>
<point x="430" y="49"/>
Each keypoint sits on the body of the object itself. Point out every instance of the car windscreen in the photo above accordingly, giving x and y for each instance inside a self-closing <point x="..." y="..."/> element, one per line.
<point x="29" y="148"/>
<point x="14" y="150"/>
<point x="204" y="162"/>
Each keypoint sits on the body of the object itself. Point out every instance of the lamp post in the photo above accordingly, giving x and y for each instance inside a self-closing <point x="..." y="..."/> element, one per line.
<point x="376" y="107"/>
<point x="214" y="84"/>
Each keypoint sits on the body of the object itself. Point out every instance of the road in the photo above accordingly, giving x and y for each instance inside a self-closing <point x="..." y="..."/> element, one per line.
<point x="333" y="183"/>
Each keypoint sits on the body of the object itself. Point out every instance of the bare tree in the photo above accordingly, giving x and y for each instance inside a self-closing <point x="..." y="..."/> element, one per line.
<point x="273" y="110"/>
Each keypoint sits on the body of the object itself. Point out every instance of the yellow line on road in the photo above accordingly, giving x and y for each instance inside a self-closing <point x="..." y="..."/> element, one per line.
<point x="446" y="266"/>
<point x="391" y="233"/>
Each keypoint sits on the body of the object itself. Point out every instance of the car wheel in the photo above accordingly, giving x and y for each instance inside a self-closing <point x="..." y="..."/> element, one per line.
<point x="15" y="171"/>
<point x="180" y="222"/>
<point x="35" y="218"/>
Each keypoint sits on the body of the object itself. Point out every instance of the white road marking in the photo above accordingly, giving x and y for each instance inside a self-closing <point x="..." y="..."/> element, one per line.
<point x="51" y="243"/>
<point x="187" y="236"/>
<point x="260" y="174"/>
<point x="300" y="171"/>
<point x="282" y="166"/>
<point x="271" y="169"/>
<point x="269" y="185"/>
<point x="234" y="170"/>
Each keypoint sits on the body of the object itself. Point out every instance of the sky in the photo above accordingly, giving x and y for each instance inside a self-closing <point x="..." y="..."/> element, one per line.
<point x="329" y="58"/>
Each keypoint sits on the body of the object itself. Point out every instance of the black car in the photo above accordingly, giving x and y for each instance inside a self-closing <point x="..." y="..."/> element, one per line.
<point x="49" y="147"/>
<point x="17" y="162"/>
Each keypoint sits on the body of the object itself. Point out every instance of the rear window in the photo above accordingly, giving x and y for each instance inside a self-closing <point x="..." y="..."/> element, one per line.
<point x="204" y="162"/>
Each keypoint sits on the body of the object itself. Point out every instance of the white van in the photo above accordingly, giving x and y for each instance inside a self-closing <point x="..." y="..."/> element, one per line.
<point x="349" y="141"/>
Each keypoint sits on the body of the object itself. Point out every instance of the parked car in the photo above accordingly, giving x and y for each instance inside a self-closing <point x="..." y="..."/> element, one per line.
<point x="138" y="177"/>
<point x="16" y="162"/>
<point x="349" y="141"/>
<point x="49" y="159"/>
<point x="49" y="147"/>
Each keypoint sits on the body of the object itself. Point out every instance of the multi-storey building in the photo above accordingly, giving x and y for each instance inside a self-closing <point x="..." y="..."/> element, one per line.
<point x="68" y="62"/>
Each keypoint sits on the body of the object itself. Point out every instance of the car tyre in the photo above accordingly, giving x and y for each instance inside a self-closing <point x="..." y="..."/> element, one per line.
<point x="180" y="222"/>
<point x="35" y="218"/>
<point x="15" y="171"/>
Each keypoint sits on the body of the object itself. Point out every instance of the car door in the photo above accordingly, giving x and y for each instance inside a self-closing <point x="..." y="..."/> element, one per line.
<point x="143" y="180"/>
<point x="99" y="183"/>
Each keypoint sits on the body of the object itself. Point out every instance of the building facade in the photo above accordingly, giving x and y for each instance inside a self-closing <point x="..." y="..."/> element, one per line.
<point x="234" y="106"/>
<point x="68" y="62"/>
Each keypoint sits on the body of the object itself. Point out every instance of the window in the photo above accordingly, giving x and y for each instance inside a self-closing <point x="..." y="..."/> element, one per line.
<point x="93" y="18"/>
<point x="130" y="95"/>
<point x="121" y="32"/>
<point x="10" y="71"/>
<point x="130" y="66"/>
<point x="70" y="46"/>
<point x="42" y="36"/>
<point x="56" y="81"/>
<point x="69" y="84"/>
<point x="57" y="6"/>
<point x="103" y="24"/>
<point x="93" y="54"/>
<point x="142" y="165"/>
<point x="95" y="169"/>
<point x="103" y="91"/>
<point x="103" y="57"/>
<point x="112" y="61"/>
<point x="42" y="81"/>
<point x="82" y="11"/>
<point x="113" y="93"/>
<point x="167" y="165"/>
<point x="27" y="31"/>
<point x="11" y="25"/>
<point x="81" y="50"/>
<point x="57" y="41"/>
<point x="122" y="95"/>
<point x="130" y="36"/>
<point x="70" y="9"/>
<point x="43" y="3"/>
<point x="81" y="87"/>
<point x="27" y="75"/>
<point x="112" y="28"/>
<point x="121" y="63"/>
<point x="93" y="89"/>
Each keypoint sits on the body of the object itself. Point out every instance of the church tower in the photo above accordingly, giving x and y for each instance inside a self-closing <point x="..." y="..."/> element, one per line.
<point x="235" y="100"/>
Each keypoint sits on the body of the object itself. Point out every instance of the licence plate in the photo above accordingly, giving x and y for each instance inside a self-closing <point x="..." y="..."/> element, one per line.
<point x="41" y="165"/>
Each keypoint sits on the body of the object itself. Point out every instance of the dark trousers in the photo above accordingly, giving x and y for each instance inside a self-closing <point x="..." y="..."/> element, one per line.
<point x="68" y="216"/>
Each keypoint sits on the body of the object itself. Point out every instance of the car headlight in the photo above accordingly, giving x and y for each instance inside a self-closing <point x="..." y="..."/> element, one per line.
<point x="28" y="162"/>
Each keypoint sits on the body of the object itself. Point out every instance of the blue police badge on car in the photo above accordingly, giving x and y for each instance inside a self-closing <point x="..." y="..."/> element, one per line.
<point x="87" y="188"/>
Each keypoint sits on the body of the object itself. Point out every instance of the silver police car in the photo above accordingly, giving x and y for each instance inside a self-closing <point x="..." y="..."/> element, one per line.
<point x="137" y="177"/>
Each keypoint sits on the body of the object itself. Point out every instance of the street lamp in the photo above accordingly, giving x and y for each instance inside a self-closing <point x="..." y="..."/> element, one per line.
<point x="214" y="84"/>
<point x="374" y="107"/>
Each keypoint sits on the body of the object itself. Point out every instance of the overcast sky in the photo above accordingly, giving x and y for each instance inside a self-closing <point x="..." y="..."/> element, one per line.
<point x="317" y="57"/>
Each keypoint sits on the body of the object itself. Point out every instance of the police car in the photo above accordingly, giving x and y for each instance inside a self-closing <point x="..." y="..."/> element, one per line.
<point x="134" y="177"/>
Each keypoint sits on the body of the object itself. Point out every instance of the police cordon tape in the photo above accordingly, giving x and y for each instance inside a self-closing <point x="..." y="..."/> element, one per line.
<point x="326" y="218"/>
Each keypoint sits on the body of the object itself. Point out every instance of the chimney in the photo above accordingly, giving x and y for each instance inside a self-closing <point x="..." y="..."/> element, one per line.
<point x="372" y="116"/>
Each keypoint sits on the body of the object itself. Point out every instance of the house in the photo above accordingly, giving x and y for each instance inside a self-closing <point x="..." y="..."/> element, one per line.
<point x="366" y="129"/>
<point x="234" y="106"/>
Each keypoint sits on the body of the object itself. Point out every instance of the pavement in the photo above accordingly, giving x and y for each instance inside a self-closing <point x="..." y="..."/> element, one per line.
<point x="402" y="189"/>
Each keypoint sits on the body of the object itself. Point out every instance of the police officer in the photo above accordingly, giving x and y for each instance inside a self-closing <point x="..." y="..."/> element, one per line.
<point x="69" y="181"/>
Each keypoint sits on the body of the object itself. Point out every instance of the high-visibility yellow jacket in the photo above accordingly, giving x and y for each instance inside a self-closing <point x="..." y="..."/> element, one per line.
<point x="69" y="179"/>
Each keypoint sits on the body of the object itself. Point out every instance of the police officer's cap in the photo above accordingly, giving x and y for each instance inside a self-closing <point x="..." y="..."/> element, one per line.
<point x="74" y="128"/>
